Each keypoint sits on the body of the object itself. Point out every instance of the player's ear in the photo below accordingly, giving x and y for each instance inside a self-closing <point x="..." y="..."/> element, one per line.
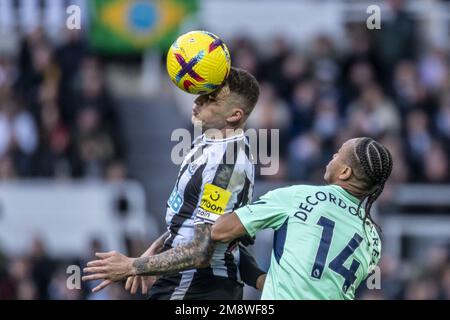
<point x="236" y="115"/>
<point x="346" y="173"/>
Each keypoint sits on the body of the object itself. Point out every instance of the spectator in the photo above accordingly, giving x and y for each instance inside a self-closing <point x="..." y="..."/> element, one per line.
<point x="445" y="283"/>
<point x="360" y="75"/>
<point x="293" y="70"/>
<point x="41" y="268"/>
<point x="302" y="107"/>
<point x="18" y="134"/>
<point x="418" y="142"/>
<point x="326" y="122"/>
<point x="436" y="166"/>
<point x="422" y="288"/>
<point x="116" y="172"/>
<point x="304" y="156"/>
<point x="397" y="38"/>
<point x="7" y="73"/>
<point x="442" y="118"/>
<point x="408" y="90"/>
<point x="271" y="113"/>
<point x="53" y="156"/>
<point x="7" y="169"/>
<point x="434" y="70"/>
<point x="373" y="114"/>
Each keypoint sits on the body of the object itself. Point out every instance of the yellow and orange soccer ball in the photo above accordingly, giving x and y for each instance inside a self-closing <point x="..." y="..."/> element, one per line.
<point x="198" y="62"/>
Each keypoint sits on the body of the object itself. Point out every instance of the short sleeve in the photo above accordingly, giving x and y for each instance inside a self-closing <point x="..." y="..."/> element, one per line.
<point x="270" y="211"/>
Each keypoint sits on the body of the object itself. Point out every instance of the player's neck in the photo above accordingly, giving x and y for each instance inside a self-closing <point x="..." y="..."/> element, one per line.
<point x="350" y="188"/>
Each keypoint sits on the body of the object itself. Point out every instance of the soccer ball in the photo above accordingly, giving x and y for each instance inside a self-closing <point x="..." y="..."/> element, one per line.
<point x="198" y="62"/>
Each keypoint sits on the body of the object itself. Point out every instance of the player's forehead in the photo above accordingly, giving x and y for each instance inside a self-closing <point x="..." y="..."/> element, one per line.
<point x="218" y="95"/>
<point x="222" y="93"/>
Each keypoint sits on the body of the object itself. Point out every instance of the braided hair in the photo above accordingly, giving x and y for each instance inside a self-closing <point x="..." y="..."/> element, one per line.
<point x="372" y="165"/>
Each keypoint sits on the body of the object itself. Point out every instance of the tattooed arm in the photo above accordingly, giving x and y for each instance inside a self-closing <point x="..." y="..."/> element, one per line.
<point x="196" y="254"/>
<point x="113" y="266"/>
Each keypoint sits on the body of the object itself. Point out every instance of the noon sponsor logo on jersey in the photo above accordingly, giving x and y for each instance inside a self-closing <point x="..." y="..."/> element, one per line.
<point x="210" y="206"/>
<point x="214" y="199"/>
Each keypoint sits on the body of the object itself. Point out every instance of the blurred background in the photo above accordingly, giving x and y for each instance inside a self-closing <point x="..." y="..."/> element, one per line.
<point x="86" y="117"/>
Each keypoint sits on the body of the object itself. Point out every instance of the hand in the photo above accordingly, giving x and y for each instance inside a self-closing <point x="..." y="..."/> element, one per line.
<point x="111" y="267"/>
<point x="260" y="281"/>
<point x="246" y="240"/>
<point x="146" y="283"/>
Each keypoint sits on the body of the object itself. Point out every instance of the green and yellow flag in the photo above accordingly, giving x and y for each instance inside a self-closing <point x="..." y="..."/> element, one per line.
<point x="129" y="26"/>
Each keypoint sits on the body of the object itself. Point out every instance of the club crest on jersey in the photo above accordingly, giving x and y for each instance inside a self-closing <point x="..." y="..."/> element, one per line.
<point x="214" y="199"/>
<point x="192" y="167"/>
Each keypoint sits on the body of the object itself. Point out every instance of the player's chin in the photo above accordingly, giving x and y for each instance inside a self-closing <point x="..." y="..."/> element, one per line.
<point x="196" y="121"/>
<point x="326" y="176"/>
<point x="199" y="124"/>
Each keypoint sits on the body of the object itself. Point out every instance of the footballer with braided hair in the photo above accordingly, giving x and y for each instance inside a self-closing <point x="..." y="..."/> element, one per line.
<point x="326" y="242"/>
<point x="372" y="165"/>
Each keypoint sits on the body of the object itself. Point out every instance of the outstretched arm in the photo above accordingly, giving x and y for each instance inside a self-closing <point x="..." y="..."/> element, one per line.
<point x="227" y="228"/>
<point x="113" y="266"/>
<point x="196" y="254"/>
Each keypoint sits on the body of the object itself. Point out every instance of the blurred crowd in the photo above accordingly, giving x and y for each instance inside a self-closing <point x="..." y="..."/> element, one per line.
<point x="425" y="280"/>
<point x="36" y="275"/>
<point x="57" y="117"/>
<point x="57" y="120"/>
<point x="389" y="84"/>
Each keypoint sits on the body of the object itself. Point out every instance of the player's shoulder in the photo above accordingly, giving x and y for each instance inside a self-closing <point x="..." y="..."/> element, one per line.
<point x="302" y="189"/>
<point x="217" y="148"/>
<point x="289" y="192"/>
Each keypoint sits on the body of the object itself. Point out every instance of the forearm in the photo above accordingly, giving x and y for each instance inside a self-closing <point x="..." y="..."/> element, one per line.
<point x="249" y="269"/>
<point x="196" y="254"/>
<point x="227" y="228"/>
<point x="174" y="260"/>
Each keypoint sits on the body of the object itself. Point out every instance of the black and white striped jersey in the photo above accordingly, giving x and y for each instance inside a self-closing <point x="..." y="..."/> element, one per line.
<point x="215" y="178"/>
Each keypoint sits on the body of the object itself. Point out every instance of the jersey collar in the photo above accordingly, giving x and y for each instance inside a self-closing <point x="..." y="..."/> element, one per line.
<point x="232" y="138"/>
<point x="346" y="194"/>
